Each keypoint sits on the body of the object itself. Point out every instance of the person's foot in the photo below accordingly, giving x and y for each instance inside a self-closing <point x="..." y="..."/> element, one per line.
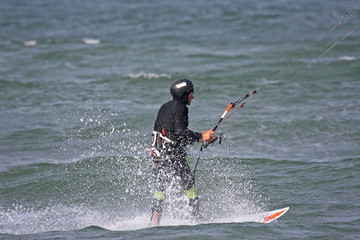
<point x="199" y="218"/>
<point x="156" y="212"/>
<point x="155" y="219"/>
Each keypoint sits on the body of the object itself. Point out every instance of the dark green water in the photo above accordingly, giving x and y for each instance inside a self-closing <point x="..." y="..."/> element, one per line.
<point x="76" y="118"/>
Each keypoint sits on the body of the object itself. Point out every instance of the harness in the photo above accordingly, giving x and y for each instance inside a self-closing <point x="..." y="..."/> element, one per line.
<point x="162" y="147"/>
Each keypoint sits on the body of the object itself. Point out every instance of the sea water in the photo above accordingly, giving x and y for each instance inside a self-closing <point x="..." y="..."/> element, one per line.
<point x="81" y="83"/>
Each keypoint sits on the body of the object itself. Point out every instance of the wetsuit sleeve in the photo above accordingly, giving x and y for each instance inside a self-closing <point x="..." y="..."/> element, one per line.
<point x="181" y="123"/>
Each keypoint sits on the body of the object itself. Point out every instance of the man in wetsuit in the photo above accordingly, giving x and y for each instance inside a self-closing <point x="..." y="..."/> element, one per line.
<point x="170" y="136"/>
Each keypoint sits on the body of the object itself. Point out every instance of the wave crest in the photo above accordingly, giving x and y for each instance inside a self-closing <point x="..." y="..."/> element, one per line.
<point x="147" y="75"/>
<point x="347" y="58"/>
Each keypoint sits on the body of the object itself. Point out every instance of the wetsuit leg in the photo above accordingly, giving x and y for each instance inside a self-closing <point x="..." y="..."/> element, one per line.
<point x="161" y="173"/>
<point x="187" y="181"/>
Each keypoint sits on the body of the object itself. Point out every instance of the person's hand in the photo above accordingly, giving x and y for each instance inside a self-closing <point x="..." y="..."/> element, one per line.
<point x="208" y="136"/>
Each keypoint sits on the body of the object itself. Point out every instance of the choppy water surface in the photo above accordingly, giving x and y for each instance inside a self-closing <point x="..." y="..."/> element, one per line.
<point x="81" y="83"/>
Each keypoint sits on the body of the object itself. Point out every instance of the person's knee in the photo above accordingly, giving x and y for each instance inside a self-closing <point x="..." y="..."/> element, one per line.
<point x="191" y="193"/>
<point x="159" y="195"/>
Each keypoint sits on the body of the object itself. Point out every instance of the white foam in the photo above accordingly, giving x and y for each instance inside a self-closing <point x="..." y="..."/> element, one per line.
<point x="91" y="41"/>
<point x="23" y="220"/>
<point x="136" y="223"/>
<point x="148" y="75"/>
<point x="30" y="43"/>
<point x="347" y="58"/>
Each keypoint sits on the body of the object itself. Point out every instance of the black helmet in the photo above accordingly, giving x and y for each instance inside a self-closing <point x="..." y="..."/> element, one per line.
<point x="180" y="87"/>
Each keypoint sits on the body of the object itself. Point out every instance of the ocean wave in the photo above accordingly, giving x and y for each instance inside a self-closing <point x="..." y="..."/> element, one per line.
<point x="21" y="220"/>
<point x="91" y="41"/>
<point x="31" y="220"/>
<point x="30" y="43"/>
<point x="7" y="42"/>
<point x="147" y="75"/>
<point x="347" y="58"/>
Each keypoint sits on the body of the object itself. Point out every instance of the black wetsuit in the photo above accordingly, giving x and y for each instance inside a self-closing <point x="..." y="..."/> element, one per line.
<point x="172" y="123"/>
<point x="173" y="118"/>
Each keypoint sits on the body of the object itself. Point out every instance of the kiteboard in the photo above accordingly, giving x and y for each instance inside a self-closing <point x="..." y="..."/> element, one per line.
<point x="262" y="217"/>
<point x="273" y="215"/>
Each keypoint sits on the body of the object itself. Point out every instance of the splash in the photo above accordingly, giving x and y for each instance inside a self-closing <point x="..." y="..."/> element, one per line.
<point x="29" y="220"/>
<point x="114" y="194"/>
<point x="109" y="185"/>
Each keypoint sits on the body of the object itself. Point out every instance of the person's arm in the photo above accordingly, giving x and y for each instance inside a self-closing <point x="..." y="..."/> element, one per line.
<point x="181" y="128"/>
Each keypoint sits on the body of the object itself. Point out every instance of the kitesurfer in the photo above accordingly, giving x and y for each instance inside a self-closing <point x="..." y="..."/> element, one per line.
<point x="169" y="139"/>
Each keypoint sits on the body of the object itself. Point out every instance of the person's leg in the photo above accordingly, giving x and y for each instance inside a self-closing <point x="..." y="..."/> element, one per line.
<point x="161" y="177"/>
<point x="187" y="181"/>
